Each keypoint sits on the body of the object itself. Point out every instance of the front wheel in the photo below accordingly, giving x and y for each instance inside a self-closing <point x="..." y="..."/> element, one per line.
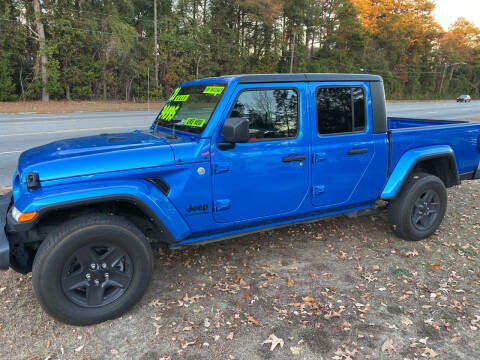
<point x="420" y="207"/>
<point x="92" y="268"/>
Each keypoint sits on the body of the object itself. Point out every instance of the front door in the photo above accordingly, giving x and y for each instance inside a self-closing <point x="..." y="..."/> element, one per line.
<point x="269" y="175"/>
<point x="342" y="143"/>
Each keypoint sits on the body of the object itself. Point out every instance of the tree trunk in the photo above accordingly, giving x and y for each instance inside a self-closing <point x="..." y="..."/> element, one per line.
<point x="204" y="12"/>
<point x="312" y="44"/>
<point x="155" y="40"/>
<point x="42" y="49"/>
<point x="67" y="92"/>
<point x="128" y="88"/>
<point x="21" y="81"/>
<point x="104" y="88"/>
<point x="197" y="67"/>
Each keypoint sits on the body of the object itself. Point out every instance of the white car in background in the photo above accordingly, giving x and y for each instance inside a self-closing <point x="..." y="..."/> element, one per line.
<point x="464" y="98"/>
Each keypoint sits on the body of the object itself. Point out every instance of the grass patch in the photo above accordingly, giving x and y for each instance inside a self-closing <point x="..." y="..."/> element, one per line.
<point x="468" y="252"/>
<point x="399" y="271"/>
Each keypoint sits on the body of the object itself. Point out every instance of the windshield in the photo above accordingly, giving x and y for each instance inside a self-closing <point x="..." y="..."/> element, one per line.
<point x="190" y="107"/>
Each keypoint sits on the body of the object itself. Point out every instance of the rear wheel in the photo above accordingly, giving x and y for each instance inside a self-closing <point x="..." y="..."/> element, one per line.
<point x="420" y="207"/>
<point x="91" y="269"/>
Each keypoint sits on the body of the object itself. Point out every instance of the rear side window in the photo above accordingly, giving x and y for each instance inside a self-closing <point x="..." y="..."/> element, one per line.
<point x="340" y="110"/>
<point x="272" y="113"/>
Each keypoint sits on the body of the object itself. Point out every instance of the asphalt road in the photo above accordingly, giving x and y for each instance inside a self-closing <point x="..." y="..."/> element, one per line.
<point x="23" y="131"/>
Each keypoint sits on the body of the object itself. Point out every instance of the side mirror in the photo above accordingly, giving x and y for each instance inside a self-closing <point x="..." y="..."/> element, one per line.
<point x="235" y="130"/>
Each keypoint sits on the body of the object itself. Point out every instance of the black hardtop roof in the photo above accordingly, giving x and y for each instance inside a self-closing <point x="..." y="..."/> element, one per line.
<point x="266" y="78"/>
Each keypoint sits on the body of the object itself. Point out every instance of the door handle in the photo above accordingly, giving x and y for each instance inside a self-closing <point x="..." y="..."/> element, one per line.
<point x="357" y="151"/>
<point x="294" y="158"/>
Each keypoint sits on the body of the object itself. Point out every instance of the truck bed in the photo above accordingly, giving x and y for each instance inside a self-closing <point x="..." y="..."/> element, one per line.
<point x="461" y="135"/>
<point x="395" y="123"/>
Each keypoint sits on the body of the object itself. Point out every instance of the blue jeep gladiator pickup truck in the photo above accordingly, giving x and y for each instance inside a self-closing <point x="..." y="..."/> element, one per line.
<point x="225" y="157"/>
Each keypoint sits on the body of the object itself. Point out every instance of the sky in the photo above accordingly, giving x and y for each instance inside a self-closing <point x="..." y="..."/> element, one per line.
<point x="447" y="11"/>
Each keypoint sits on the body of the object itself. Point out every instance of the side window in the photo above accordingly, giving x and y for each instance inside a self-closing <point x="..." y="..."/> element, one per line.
<point x="272" y="113"/>
<point x="340" y="110"/>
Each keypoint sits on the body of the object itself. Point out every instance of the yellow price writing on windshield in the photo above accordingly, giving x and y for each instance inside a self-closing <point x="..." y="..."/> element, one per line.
<point x="177" y="90"/>
<point x="194" y="122"/>
<point x="213" y="90"/>
<point x="181" y="98"/>
<point x="168" y="112"/>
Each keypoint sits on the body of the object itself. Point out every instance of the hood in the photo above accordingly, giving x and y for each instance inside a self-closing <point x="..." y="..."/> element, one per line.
<point x="95" y="154"/>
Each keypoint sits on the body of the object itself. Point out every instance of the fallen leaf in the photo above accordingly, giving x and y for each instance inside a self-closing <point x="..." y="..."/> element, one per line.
<point x="252" y="320"/>
<point x="436" y="266"/>
<point x="332" y="313"/>
<point x="274" y="341"/>
<point x="308" y="299"/>
<point x="157" y="329"/>
<point x="388" y="346"/>
<point x="78" y="349"/>
<point x="206" y="322"/>
<point x="295" y="350"/>
<point x="155" y="303"/>
<point x="431" y="353"/>
<point x="290" y="282"/>
<point x="407" y="322"/>
<point x="184" y="344"/>
<point x="230" y="336"/>
<point x="412" y="253"/>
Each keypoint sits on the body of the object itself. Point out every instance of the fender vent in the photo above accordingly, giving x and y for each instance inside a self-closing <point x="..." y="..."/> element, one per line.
<point x="159" y="183"/>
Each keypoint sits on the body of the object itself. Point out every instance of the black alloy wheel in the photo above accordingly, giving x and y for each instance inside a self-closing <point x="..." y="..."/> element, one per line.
<point x="418" y="209"/>
<point x="91" y="269"/>
<point x="426" y="210"/>
<point x="97" y="275"/>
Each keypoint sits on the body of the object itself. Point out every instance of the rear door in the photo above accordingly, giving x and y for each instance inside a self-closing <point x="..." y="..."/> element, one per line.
<point x="269" y="175"/>
<point x="342" y="142"/>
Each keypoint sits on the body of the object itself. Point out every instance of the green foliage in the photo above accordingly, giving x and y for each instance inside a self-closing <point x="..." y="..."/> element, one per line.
<point x="53" y="70"/>
<point x="105" y="49"/>
<point x="7" y="87"/>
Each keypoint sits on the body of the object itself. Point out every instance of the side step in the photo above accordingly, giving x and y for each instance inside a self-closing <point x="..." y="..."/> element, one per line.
<point x="371" y="211"/>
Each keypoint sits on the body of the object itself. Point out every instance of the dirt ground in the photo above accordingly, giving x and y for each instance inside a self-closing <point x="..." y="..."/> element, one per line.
<point x="336" y="289"/>
<point x="72" y="106"/>
<point x="64" y="106"/>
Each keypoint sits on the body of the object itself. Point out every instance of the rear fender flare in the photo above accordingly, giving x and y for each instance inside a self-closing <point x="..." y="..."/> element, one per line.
<point x="407" y="163"/>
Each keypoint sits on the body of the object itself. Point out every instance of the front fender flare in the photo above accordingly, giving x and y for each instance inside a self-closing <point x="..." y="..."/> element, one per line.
<point x="407" y="163"/>
<point x="142" y="193"/>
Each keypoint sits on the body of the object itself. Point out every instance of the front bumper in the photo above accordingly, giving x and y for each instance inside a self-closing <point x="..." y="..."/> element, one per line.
<point x="4" y="244"/>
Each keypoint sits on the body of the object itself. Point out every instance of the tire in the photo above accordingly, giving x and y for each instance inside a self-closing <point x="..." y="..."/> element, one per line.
<point x="405" y="210"/>
<point x="113" y="252"/>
